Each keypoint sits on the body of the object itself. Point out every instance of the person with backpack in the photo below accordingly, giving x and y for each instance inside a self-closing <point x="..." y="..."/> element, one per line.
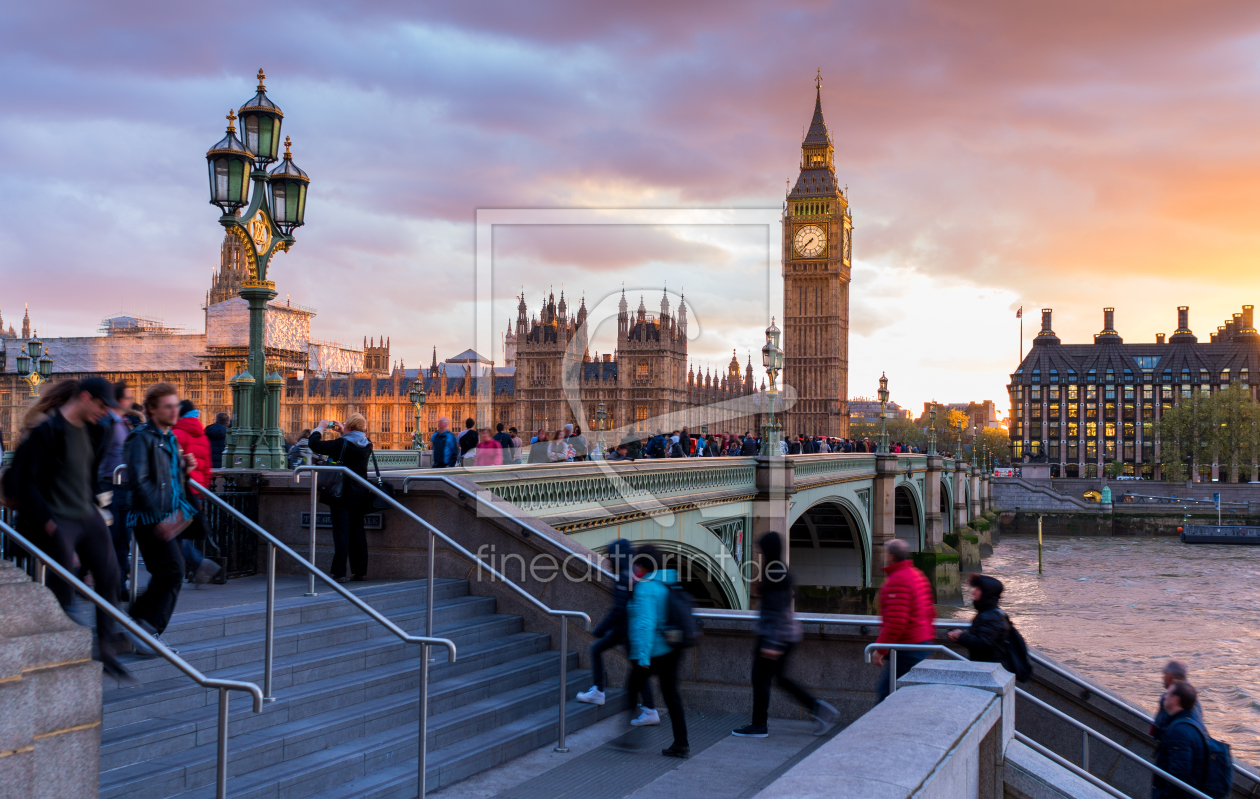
<point x="653" y="623"/>
<point x="907" y="612"/>
<point x="445" y="448"/>
<point x="992" y="638"/>
<point x="777" y="632"/>
<point x="613" y="631"/>
<point x="1183" y="745"/>
<point x="656" y="447"/>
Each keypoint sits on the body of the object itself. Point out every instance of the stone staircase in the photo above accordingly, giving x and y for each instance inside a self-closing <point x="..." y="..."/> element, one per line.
<point x="345" y="722"/>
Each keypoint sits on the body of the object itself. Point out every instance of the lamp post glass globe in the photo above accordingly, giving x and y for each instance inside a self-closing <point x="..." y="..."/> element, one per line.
<point x="230" y="164"/>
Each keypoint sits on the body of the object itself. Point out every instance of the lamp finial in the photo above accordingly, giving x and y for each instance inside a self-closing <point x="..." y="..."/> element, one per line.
<point x="287" y="144"/>
<point x="261" y="77"/>
<point x="231" y="118"/>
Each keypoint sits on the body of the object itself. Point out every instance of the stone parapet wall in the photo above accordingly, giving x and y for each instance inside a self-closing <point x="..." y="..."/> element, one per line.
<point x="50" y="696"/>
<point x="1010" y="493"/>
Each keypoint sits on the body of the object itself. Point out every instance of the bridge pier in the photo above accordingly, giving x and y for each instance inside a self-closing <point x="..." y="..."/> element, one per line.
<point x="883" y="513"/>
<point x="938" y="560"/>
<point x="773" y="505"/>
<point x="960" y="494"/>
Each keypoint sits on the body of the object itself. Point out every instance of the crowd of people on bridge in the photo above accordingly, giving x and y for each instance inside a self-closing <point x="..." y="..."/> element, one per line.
<point x="568" y="444"/>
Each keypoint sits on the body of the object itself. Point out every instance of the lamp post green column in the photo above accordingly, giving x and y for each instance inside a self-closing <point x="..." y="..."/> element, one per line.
<point x="882" y="446"/>
<point x="417" y="396"/>
<point x="772" y="359"/>
<point x="238" y="169"/>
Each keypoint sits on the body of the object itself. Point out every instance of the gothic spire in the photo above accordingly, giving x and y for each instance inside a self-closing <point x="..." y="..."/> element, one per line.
<point x="817" y="133"/>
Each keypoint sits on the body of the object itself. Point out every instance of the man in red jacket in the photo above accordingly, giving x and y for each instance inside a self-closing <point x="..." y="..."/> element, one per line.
<point x="906" y="612"/>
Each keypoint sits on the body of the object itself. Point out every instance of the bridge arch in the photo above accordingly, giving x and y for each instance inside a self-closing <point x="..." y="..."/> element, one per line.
<point x="947" y="505"/>
<point x="908" y="516"/>
<point x="708" y="583"/>
<point x="829" y="553"/>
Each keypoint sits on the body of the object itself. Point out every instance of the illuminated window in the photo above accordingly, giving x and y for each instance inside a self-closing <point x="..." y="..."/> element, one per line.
<point x="640" y="413"/>
<point x="1054" y="411"/>
<point x="1204" y="377"/>
<point x="1034" y="393"/>
<point x="1110" y="429"/>
<point x="1243" y="375"/>
<point x="1073" y="410"/>
<point x="1225" y="377"/>
<point x="1072" y="393"/>
<point x="1054" y="393"/>
<point x="1091" y="430"/>
<point x="643" y="370"/>
<point x="1128" y="392"/>
<point x="1148" y="393"/>
<point x="1091" y="393"/>
<point x="1128" y="429"/>
<point x="1074" y="430"/>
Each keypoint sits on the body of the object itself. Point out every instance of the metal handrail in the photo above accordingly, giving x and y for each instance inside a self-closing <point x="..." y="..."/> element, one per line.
<point x="134" y="576"/>
<point x="477" y="495"/>
<point x="1021" y="693"/>
<point x="273" y="544"/>
<point x="425" y="641"/>
<point x="563" y="615"/>
<point x="223" y="686"/>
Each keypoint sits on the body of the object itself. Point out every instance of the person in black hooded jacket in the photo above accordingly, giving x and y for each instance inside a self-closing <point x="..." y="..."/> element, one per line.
<point x="777" y="632"/>
<point x="614" y="629"/>
<point x="987" y="638"/>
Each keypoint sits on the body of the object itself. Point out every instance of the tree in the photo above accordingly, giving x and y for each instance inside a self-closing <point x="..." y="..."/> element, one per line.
<point x="1218" y="429"/>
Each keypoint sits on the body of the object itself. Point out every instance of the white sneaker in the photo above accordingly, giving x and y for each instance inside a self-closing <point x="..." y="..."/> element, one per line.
<point x="648" y="718"/>
<point x="592" y="697"/>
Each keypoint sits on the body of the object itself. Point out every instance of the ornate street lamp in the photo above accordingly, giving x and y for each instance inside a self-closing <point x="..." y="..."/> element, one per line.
<point x="274" y="207"/>
<point x="601" y="416"/>
<point x="772" y="360"/>
<point x="932" y="419"/>
<point x="883" y="413"/>
<point x="973" y="445"/>
<point x="959" y="455"/>
<point x="34" y="365"/>
<point x="417" y="397"/>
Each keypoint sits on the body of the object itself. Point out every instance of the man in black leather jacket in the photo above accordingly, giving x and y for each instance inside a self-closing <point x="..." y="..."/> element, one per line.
<point x="157" y="474"/>
<point x="986" y="639"/>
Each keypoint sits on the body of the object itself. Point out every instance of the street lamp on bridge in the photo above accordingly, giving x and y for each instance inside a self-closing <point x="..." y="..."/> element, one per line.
<point x="932" y="431"/>
<point x="417" y="397"/>
<point x="601" y="417"/>
<point x="772" y="359"/>
<point x="883" y="413"/>
<point x="34" y="365"/>
<point x="276" y="209"/>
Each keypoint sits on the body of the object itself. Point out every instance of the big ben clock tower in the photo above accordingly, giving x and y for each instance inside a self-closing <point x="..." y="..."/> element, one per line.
<point x="817" y="250"/>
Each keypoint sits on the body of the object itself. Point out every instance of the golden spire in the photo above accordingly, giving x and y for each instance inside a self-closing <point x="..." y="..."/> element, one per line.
<point x="231" y="118"/>
<point x="817" y="78"/>
<point x="287" y="143"/>
<point x="261" y="77"/>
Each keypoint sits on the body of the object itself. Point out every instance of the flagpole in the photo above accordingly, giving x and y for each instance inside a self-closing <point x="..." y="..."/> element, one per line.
<point x="1021" y="334"/>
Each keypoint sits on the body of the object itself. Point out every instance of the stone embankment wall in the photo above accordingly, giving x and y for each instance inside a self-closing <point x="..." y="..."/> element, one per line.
<point x="1010" y="493"/>
<point x="50" y="696"/>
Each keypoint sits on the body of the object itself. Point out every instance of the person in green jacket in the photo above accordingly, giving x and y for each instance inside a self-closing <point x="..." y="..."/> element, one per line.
<point x="649" y="652"/>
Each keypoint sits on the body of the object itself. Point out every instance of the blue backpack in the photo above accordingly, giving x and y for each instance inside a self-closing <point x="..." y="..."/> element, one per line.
<point x="1218" y="765"/>
<point x="445" y="446"/>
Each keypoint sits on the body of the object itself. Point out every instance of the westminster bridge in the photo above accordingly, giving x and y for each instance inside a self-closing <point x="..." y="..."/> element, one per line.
<point x="838" y="510"/>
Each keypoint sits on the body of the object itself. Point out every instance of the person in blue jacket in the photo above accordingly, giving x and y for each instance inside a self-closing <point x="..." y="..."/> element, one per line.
<point x="613" y="631"/>
<point x="649" y="652"/>
<point x="1182" y="749"/>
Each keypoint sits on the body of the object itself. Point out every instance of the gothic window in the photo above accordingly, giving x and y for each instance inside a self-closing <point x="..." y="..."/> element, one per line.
<point x="643" y="370"/>
<point x="386" y="420"/>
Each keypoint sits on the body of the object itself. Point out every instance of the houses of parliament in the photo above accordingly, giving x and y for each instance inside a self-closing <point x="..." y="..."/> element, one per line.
<point x="546" y="376"/>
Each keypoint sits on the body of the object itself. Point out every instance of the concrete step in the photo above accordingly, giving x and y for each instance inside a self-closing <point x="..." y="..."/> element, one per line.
<point x="384" y="764"/>
<point x="199" y="625"/>
<point x="505" y="662"/>
<point x="257" y="757"/>
<point x="246" y="645"/>
<point x="478" y="637"/>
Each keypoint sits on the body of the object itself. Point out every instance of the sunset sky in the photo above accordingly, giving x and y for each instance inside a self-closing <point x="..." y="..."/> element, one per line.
<point x="1072" y="155"/>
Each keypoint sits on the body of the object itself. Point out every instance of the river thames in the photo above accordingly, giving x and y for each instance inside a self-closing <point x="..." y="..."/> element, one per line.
<point x="1116" y="609"/>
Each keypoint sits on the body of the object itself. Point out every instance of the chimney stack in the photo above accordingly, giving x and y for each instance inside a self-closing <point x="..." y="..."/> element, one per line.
<point x="1247" y="317"/>
<point x="1109" y="318"/>
<point x="1183" y="318"/>
<point x="1159" y="338"/>
<point x="1045" y="320"/>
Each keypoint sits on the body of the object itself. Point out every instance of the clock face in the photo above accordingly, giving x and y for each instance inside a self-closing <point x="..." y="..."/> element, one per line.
<point x="810" y="241"/>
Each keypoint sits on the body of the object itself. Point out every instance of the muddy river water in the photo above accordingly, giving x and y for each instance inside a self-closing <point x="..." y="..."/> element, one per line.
<point x="1116" y="609"/>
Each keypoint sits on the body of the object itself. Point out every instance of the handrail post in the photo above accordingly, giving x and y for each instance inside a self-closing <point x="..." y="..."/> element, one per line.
<point x="310" y="589"/>
<point x="1085" y="749"/>
<point x="564" y="677"/>
<point x="41" y="572"/>
<point x="132" y="589"/>
<point x="892" y="671"/>
<point x="270" y="644"/>
<point x="424" y="678"/>
<point x="221" y="771"/>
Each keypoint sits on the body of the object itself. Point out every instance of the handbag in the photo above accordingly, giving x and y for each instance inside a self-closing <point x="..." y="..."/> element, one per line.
<point x="330" y="492"/>
<point x="386" y="488"/>
<point x="172" y="525"/>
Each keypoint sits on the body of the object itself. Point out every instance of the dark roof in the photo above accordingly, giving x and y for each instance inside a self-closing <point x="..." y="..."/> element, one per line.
<point x="817" y="133"/>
